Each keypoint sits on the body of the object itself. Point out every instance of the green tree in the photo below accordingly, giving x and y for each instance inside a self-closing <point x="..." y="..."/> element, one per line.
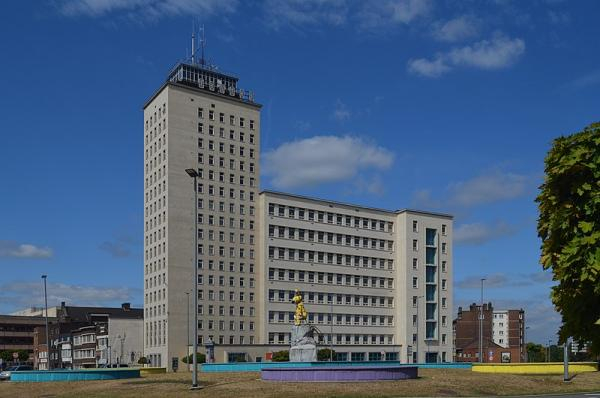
<point x="535" y="352"/>
<point x="200" y="358"/>
<point x="6" y="355"/>
<point x="23" y="355"/>
<point x="569" y="226"/>
<point x="281" y="356"/>
<point x="324" y="354"/>
<point x="143" y="361"/>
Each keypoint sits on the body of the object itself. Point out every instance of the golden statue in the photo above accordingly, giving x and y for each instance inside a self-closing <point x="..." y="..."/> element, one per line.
<point x="301" y="313"/>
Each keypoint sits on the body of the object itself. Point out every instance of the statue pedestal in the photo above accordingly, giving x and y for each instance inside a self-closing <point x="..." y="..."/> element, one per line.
<point x="303" y="345"/>
<point x="303" y="353"/>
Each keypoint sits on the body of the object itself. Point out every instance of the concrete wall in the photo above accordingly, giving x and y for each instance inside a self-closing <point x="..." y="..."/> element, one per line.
<point x="125" y="340"/>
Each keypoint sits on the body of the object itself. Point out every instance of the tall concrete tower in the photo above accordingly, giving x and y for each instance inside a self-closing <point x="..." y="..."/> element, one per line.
<point x="200" y="119"/>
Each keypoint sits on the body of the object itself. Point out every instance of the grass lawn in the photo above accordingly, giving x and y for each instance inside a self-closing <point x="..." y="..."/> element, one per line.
<point x="432" y="382"/>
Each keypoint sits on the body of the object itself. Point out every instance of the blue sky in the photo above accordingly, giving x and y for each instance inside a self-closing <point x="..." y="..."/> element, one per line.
<point x="442" y="105"/>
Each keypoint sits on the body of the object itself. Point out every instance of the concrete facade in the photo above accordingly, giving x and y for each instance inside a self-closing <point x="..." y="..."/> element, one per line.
<point x="359" y="273"/>
<point x="191" y="122"/>
<point x="385" y="275"/>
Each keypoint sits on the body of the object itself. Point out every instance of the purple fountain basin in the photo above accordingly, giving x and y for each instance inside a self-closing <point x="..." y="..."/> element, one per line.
<point x="341" y="373"/>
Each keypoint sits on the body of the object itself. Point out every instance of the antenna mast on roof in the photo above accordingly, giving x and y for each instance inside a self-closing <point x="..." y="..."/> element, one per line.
<point x="193" y="41"/>
<point x="202" y="45"/>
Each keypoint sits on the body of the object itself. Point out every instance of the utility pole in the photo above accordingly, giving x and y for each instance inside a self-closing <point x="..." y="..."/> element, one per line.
<point x="481" y="325"/>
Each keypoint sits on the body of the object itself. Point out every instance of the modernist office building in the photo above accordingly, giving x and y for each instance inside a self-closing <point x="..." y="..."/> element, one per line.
<point x="383" y="278"/>
<point x="370" y="277"/>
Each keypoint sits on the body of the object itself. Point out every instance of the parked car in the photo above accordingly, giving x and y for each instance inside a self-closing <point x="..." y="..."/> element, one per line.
<point x="5" y="375"/>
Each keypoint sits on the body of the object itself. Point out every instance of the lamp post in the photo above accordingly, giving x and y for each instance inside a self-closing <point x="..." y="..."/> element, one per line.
<point x="566" y="360"/>
<point x="187" y="344"/>
<point x="48" y="366"/>
<point x="525" y="342"/>
<point x="548" y="357"/>
<point x="331" y="330"/>
<point x="417" y="345"/>
<point x="194" y="174"/>
<point x="481" y="324"/>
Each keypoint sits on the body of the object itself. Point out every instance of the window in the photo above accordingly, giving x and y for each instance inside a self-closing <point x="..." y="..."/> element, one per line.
<point x="415" y="226"/>
<point x="200" y="113"/>
<point x="415" y="245"/>
<point x="415" y="264"/>
<point x="415" y="282"/>
<point x="444" y="229"/>
<point x="414" y="301"/>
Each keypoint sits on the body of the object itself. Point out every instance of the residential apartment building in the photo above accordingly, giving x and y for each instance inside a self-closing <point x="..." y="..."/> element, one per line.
<point x="83" y="337"/>
<point x="503" y="334"/>
<point x="199" y="119"/>
<point x="17" y="333"/>
<point x="382" y="279"/>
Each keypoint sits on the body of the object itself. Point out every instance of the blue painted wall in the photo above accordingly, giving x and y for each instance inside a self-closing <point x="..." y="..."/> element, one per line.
<point x="74" y="375"/>
<point x="257" y="366"/>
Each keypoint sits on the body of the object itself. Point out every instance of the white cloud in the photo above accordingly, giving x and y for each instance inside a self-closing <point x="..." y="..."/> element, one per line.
<point x="498" y="52"/>
<point x="23" y="250"/>
<point x="478" y="233"/>
<point x="428" y="68"/>
<point x="457" y="29"/>
<point x="341" y="112"/>
<point x="590" y="79"/>
<point x="151" y="9"/>
<point x="381" y="13"/>
<point x="494" y="186"/>
<point x="323" y="159"/>
<point x="487" y="188"/>
<point x="305" y="12"/>
<point x="405" y="11"/>
<point x="491" y="281"/>
<point x="18" y="295"/>
<point x="501" y="280"/>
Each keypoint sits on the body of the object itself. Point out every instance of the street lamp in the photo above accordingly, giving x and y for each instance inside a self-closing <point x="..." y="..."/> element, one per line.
<point x="48" y="366"/>
<point x="194" y="174"/>
<point x="417" y="345"/>
<point x="481" y="324"/>
<point x="187" y="344"/>
<point x="548" y="357"/>
<point x="525" y="342"/>
<point x="331" y="330"/>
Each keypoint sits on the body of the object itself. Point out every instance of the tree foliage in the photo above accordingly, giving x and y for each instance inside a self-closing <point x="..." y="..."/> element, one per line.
<point x="200" y="358"/>
<point x="325" y="354"/>
<point x="569" y="226"/>
<point x="7" y="355"/>
<point x="281" y="356"/>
